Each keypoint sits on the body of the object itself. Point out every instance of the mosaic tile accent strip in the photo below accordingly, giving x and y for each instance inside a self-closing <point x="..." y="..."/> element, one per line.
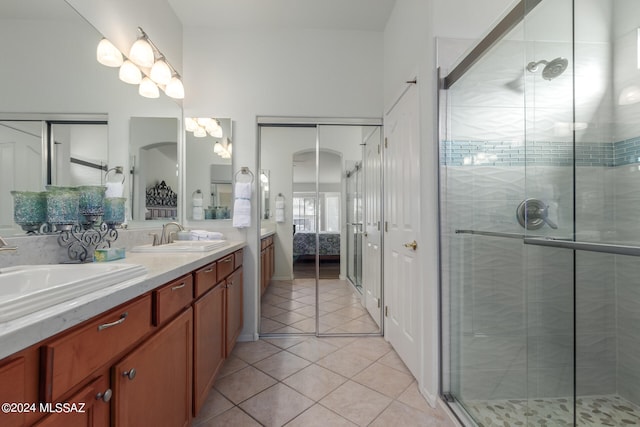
<point x="592" y="411"/>
<point x="542" y="153"/>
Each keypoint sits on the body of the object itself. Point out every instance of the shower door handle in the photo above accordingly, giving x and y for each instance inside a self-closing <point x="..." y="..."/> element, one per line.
<point x="606" y="248"/>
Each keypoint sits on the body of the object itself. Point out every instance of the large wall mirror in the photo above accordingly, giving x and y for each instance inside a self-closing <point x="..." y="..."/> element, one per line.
<point x="64" y="118"/>
<point x="209" y="168"/>
<point x="321" y="194"/>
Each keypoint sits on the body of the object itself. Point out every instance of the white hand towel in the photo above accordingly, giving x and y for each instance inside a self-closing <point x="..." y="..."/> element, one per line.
<point x="114" y="189"/>
<point x="242" y="205"/>
<point x="279" y="215"/>
<point x="279" y="204"/>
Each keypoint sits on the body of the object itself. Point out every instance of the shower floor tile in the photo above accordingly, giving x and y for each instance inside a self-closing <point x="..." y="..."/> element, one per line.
<point x="592" y="411"/>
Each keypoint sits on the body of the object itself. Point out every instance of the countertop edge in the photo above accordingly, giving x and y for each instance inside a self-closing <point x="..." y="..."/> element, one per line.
<point x="24" y="332"/>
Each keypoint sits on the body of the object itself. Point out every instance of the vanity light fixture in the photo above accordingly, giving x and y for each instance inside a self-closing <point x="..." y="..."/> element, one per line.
<point x="146" y="66"/>
<point x="223" y="148"/>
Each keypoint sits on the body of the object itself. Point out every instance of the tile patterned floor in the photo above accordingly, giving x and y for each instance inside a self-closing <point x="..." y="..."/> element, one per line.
<point x="308" y="381"/>
<point x="289" y="307"/>
<point x="592" y="411"/>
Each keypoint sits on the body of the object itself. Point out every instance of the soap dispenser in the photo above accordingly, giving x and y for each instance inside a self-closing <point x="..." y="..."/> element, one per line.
<point x="196" y="205"/>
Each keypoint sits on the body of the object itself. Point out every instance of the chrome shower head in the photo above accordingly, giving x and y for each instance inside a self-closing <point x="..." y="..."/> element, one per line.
<point x="552" y="69"/>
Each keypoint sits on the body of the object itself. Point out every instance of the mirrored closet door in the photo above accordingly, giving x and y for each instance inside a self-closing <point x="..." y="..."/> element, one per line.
<point x="320" y="239"/>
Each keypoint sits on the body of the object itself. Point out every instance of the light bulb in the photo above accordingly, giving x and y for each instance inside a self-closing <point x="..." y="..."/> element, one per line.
<point x="107" y="54"/>
<point x="199" y="132"/>
<point x="148" y="88"/>
<point x="141" y="53"/>
<point x="130" y="73"/>
<point x="190" y="124"/>
<point x="160" y="72"/>
<point x="174" y="88"/>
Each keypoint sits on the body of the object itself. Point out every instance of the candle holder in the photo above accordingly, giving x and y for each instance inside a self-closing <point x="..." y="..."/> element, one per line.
<point x="29" y="210"/>
<point x="81" y="241"/>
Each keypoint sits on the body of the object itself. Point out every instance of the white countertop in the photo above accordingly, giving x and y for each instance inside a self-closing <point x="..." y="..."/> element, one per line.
<point x="18" y="334"/>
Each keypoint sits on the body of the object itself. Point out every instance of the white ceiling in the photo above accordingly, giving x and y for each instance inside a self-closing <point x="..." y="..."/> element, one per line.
<point x="365" y="15"/>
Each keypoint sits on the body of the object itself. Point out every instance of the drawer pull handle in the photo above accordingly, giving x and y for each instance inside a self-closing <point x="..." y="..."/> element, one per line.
<point x="175" y="288"/>
<point x="227" y="260"/>
<point x="208" y="270"/>
<point x="123" y="316"/>
<point x="106" y="396"/>
<point x="131" y="373"/>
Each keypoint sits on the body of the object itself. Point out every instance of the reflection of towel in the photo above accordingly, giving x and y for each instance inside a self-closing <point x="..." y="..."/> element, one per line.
<point x="279" y="214"/>
<point x="242" y="205"/>
<point x="114" y="189"/>
<point x="279" y="204"/>
<point x="206" y="235"/>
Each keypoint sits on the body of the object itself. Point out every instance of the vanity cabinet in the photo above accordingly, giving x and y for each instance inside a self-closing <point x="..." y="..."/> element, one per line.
<point x="267" y="262"/>
<point x="149" y="361"/>
<point x="152" y="385"/>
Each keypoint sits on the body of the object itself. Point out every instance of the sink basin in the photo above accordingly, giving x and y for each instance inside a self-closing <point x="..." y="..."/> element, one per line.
<point x="182" y="246"/>
<point x="29" y="288"/>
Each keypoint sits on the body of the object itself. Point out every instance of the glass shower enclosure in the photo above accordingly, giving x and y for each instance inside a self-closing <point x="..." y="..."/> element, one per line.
<point x="540" y="237"/>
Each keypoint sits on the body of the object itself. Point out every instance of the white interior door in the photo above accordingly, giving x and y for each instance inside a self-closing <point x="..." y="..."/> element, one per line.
<point x="402" y="285"/>
<point x="371" y="243"/>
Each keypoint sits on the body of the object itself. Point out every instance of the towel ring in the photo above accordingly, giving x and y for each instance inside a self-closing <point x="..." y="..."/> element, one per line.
<point x="118" y="171"/>
<point x="244" y="171"/>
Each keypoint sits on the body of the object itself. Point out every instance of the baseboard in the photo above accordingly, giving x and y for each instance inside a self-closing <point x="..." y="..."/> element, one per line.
<point x="248" y="337"/>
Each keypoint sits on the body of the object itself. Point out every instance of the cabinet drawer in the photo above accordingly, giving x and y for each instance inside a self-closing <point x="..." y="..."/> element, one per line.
<point x="72" y="357"/>
<point x="225" y="266"/>
<point x="238" y="258"/>
<point x="171" y="298"/>
<point x="206" y="278"/>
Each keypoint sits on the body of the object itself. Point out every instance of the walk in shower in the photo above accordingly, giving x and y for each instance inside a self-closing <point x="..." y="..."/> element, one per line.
<point x="540" y="232"/>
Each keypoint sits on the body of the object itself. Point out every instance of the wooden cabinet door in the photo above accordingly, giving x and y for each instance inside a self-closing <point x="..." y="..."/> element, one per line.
<point x="89" y="407"/>
<point x="234" y="309"/>
<point x="158" y="392"/>
<point x="208" y="342"/>
<point x="19" y="385"/>
<point x="263" y="270"/>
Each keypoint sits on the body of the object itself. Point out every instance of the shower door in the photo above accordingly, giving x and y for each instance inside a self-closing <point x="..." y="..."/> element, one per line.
<point x="540" y="155"/>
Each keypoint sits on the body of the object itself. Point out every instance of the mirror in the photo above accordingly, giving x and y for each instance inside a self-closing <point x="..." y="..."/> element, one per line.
<point x="209" y="174"/>
<point x="153" y="147"/>
<point x="61" y="77"/>
<point x="264" y="194"/>
<point x="326" y="180"/>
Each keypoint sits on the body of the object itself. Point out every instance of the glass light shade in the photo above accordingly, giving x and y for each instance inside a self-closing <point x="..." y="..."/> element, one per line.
<point x="174" y="88"/>
<point x="107" y="54"/>
<point x="141" y="53"/>
<point x="148" y="88"/>
<point x="160" y="72"/>
<point x="214" y="129"/>
<point x="130" y="73"/>
<point x="217" y="148"/>
<point x="200" y="132"/>
<point x="204" y="121"/>
<point x="190" y="124"/>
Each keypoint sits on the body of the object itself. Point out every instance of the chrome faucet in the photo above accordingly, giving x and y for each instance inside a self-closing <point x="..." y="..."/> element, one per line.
<point x="4" y="246"/>
<point x="166" y="238"/>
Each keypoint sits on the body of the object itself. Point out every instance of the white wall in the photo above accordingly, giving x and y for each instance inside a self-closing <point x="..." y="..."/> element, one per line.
<point x="244" y="74"/>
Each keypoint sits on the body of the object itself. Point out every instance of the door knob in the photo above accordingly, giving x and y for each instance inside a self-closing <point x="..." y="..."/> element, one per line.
<point x="413" y="245"/>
